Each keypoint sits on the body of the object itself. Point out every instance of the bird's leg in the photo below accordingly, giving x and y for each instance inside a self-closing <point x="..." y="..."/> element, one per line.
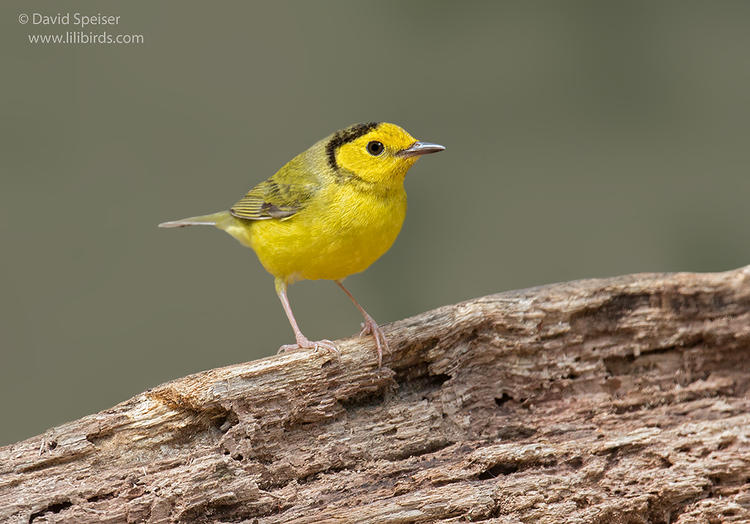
<point x="302" y="341"/>
<point x="370" y="327"/>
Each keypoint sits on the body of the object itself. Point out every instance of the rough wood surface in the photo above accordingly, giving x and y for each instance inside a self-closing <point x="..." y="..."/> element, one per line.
<point x="615" y="400"/>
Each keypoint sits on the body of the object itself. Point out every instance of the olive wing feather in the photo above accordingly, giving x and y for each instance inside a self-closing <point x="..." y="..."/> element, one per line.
<point x="274" y="198"/>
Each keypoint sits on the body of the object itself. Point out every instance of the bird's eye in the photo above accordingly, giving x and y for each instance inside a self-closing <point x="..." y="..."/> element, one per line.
<point x="375" y="148"/>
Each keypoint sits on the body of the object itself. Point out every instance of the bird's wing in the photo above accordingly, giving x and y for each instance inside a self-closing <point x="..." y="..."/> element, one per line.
<point x="280" y="197"/>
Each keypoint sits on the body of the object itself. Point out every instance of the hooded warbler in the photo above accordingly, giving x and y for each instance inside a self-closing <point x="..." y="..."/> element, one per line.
<point x="328" y="213"/>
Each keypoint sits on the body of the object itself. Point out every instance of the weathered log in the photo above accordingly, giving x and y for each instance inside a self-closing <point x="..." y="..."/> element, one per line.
<point x="615" y="400"/>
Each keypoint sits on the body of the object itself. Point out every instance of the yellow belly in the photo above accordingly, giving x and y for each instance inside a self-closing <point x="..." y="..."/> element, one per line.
<point x="340" y="233"/>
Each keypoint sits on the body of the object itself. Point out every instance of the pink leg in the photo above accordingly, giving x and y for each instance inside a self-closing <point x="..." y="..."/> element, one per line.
<point x="302" y="341"/>
<point x="370" y="327"/>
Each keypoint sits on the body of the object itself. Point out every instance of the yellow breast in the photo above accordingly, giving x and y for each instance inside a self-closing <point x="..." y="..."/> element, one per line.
<point x="340" y="233"/>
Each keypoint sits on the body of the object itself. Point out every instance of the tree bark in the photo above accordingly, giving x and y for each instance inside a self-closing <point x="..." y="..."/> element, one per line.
<point x="613" y="400"/>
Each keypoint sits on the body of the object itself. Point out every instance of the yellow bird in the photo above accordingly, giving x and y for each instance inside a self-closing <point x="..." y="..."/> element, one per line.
<point x="327" y="214"/>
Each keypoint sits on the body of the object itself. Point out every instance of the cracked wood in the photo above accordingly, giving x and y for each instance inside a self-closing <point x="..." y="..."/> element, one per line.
<point x="611" y="400"/>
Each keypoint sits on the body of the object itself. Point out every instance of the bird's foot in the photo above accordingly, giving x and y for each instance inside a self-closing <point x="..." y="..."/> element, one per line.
<point x="316" y="345"/>
<point x="370" y="327"/>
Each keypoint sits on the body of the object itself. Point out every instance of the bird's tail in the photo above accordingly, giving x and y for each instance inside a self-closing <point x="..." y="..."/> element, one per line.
<point x="239" y="229"/>
<point x="214" y="219"/>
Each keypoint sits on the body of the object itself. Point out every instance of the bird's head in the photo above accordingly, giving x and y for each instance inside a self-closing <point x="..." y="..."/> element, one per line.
<point x="376" y="152"/>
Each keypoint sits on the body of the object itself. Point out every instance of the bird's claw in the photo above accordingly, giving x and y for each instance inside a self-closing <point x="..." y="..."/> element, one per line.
<point x="326" y="345"/>
<point x="304" y="344"/>
<point x="370" y="327"/>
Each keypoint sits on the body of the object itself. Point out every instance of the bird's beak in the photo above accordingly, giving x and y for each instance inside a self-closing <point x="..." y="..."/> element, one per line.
<point x="420" y="148"/>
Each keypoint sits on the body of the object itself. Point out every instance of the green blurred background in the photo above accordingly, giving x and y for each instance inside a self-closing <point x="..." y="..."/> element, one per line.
<point x="584" y="139"/>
